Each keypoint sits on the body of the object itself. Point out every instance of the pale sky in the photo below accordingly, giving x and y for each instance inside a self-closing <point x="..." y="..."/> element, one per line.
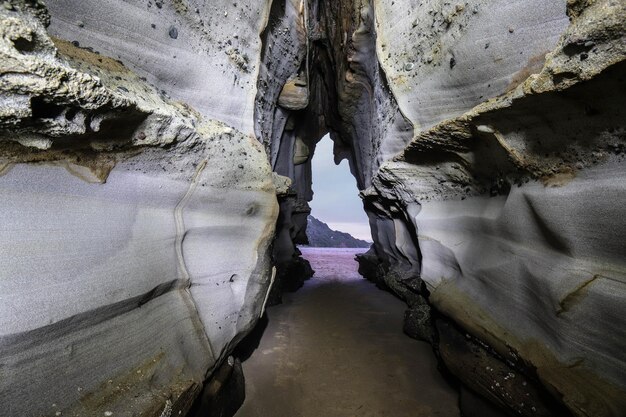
<point x="335" y="200"/>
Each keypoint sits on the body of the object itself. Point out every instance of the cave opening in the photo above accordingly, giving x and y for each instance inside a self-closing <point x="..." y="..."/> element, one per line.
<point x="299" y="103"/>
<point x="328" y="83"/>
<point x="323" y="76"/>
<point x="335" y="194"/>
<point x="326" y="99"/>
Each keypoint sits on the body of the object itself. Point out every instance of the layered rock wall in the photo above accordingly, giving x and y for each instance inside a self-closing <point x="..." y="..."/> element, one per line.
<point x="487" y="139"/>
<point x="151" y="152"/>
<point x="138" y="208"/>
<point x="512" y="185"/>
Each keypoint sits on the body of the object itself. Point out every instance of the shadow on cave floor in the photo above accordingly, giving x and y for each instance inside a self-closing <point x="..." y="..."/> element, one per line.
<point x="251" y="342"/>
<point x="335" y="348"/>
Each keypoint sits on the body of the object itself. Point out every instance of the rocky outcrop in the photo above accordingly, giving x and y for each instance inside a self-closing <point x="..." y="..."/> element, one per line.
<point x="487" y="139"/>
<point x="322" y="236"/>
<point x="503" y="209"/>
<point x="135" y="241"/>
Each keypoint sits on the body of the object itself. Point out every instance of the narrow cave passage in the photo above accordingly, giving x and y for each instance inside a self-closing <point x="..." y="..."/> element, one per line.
<point x="155" y="180"/>
<point x="335" y="348"/>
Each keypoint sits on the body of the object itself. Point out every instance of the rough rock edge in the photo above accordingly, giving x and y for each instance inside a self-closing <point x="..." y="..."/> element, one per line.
<point x="55" y="99"/>
<point x="594" y="42"/>
<point x="595" y="38"/>
<point x="62" y="104"/>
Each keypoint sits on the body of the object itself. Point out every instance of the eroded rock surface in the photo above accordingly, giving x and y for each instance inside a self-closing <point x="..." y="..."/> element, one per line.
<point x="151" y="152"/>
<point x="511" y="193"/>
<point x="487" y="138"/>
<point x="136" y="229"/>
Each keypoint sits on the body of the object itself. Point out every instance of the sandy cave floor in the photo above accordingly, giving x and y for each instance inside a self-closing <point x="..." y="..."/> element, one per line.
<point x="335" y="348"/>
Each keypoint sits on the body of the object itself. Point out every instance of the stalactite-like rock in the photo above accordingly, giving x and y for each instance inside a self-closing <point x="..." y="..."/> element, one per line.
<point x="294" y="95"/>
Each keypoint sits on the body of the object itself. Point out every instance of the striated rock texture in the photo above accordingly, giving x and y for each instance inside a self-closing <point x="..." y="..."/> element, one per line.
<point x="155" y="162"/>
<point x="519" y="227"/>
<point x="138" y="208"/>
<point x="505" y="207"/>
<point x="488" y="140"/>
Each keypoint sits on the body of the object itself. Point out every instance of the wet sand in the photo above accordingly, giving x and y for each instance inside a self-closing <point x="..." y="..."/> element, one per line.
<point x="335" y="348"/>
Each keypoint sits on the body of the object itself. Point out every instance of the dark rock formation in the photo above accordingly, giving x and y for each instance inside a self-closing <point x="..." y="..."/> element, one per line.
<point x="289" y="277"/>
<point x="319" y="235"/>
<point x="223" y="393"/>
<point x="507" y="383"/>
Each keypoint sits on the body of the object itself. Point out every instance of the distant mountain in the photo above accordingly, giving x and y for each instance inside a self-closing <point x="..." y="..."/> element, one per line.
<point x="322" y="236"/>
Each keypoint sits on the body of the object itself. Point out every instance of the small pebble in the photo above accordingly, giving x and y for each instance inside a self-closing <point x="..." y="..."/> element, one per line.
<point x="173" y="32"/>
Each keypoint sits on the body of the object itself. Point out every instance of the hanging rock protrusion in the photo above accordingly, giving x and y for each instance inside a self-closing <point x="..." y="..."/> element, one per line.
<point x="295" y="93"/>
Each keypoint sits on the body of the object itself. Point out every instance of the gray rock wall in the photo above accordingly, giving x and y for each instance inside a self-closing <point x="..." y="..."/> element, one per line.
<point x="487" y="139"/>
<point x="138" y="208"/>
<point x="205" y="54"/>
<point x="512" y="185"/>
<point x="137" y="145"/>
